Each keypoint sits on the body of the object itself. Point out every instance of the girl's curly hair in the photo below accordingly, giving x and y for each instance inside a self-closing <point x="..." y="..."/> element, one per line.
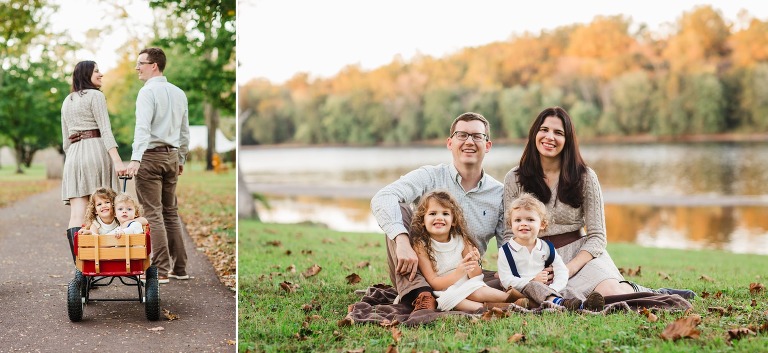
<point x="420" y="237"/>
<point x="103" y="193"/>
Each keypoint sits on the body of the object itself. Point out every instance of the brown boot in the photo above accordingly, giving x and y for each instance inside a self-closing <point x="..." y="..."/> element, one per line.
<point x="572" y="304"/>
<point x="524" y="302"/>
<point x="425" y="300"/>
<point x="594" y="302"/>
<point x="513" y="295"/>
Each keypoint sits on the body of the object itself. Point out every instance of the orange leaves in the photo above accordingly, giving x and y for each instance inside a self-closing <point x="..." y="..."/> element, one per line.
<point x="706" y="278"/>
<point x="682" y="328"/>
<point x="353" y="278"/>
<point x="169" y="315"/>
<point x="756" y="288"/>
<point x="495" y="313"/>
<point x="275" y="243"/>
<point x="288" y="286"/>
<point x="649" y="315"/>
<point x="629" y="271"/>
<point x="311" y="271"/>
<point x="663" y="275"/>
<point x="516" y="338"/>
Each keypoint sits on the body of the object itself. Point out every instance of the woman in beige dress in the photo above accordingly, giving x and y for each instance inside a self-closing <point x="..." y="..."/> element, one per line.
<point x="551" y="168"/>
<point x="91" y="158"/>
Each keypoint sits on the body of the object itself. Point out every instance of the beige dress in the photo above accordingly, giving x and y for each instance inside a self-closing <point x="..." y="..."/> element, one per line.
<point x="87" y="165"/>
<point x="563" y="219"/>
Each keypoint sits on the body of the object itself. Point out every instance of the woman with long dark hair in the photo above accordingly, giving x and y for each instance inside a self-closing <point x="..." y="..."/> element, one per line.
<point x="552" y="169"/>
<point x="91" y="158"/>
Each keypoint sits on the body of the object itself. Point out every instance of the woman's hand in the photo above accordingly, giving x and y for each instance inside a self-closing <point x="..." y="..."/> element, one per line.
<point x="120" y="168"/>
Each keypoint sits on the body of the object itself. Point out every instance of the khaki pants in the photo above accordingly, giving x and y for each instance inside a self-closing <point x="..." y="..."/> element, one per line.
<point x="401" y="283"/>
<point x="538" y="292"/>
<point x="156" y="190"/>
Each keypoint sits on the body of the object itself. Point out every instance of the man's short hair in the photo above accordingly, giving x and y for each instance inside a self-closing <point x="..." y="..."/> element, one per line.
<point x="470" y="116"/>
<point x="155" y="55"/>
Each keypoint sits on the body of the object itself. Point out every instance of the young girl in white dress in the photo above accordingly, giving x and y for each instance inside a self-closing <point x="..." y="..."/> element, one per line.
<point x="448" y="256"/>
<point x="100" y="217"/>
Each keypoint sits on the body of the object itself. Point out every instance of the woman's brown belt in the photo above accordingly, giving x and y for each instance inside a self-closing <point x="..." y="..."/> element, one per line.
<point x="561" y="240"/>
<point x="82" y="135"/>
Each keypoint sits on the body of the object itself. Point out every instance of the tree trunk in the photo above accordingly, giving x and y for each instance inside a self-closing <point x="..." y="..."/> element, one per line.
<point x="212" y="122"/>
<point x="19" y="149"/>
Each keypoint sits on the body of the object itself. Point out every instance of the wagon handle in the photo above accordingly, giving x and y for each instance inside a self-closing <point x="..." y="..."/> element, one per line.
<point x="125" y="179"/>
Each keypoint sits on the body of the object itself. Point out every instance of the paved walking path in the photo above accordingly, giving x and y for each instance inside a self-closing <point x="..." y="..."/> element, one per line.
<point x="36" y="266"/>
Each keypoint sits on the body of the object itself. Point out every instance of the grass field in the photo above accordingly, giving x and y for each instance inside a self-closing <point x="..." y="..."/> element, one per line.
<point x="14" y="187"/>
<point x="272" y="319"/>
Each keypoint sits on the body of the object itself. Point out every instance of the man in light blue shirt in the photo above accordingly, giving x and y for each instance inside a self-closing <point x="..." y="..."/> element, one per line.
<point x="160" y="146"/>
<point x="479" y="194"/>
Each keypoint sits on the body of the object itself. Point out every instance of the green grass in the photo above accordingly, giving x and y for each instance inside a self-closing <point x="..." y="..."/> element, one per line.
<point x="14" y="187"/>
<point x="270" y="318"/>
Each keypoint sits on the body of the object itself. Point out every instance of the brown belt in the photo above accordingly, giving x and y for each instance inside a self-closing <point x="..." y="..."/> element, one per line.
<point x="561" y="240"/>
<point x="82" y="135"/>
<point x="165" y="148"/>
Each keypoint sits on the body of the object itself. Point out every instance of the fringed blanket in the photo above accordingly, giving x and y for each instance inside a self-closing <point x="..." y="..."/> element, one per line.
<point x="376" y="307"/>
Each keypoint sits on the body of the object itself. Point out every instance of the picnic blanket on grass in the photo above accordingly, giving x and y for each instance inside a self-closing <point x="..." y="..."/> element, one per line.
<point x="377" y="307"/>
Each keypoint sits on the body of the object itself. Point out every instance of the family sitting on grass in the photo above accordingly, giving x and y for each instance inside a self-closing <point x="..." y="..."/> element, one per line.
<point x="552" y="200"/>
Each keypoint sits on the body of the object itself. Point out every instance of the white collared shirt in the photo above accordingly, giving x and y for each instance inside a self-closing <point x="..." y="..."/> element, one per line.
<point x="162" y="118"/>
<point x="529" y="264"/>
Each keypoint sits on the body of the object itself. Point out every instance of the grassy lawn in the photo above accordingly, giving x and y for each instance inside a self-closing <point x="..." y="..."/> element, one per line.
<point x="14" y="187"/>
<point x="207" y="206"/>
<point x="270" y="319"/>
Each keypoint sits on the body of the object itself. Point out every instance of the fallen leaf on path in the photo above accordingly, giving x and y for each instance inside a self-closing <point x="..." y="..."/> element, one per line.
<point x="664" y="275"/>
<point x="739" y="333"/>
<point x="707" y="278"/>
<point x="353" y="278"/>
<point x="649" y="315"/>
<point x="170" y="316"/>
<point x="756" y="288"/>
<point x="392" y="349"/>
<point x="156" y="329"/>
<point x="231" y="342"/>
<point x="55" y="276"/>
<point x="682" y="328"/>
<point x="363" y="264"/>
<point x="518" y="337"/>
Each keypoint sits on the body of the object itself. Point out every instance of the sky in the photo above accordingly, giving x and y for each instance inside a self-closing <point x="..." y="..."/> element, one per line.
<point x="77" y="17"/>
<point x="279" y="38"/>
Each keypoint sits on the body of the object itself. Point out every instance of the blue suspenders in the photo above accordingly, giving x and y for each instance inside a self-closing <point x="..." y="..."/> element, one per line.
<point x="547" y="263"/>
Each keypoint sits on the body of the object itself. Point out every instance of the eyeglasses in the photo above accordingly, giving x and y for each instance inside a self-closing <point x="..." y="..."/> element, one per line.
<point x="463" y="136"/>
<point x="143" y="63"/>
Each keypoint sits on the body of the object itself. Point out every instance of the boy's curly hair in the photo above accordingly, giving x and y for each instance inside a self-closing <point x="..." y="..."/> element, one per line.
<point x="420" y="237"/>
<point x="103" y="193"/>
<point x="126" y="198"/>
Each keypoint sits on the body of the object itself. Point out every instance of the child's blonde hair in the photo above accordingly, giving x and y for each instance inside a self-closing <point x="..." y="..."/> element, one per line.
<point x="103" y="193"/>
<point x="419" y="235"/>
<point x="126" y="198"/>
<point x="526" y="201"/>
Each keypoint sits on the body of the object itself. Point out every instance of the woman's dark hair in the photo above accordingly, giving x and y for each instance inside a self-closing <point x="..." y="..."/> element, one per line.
<point x="530" y="174"/>
<point x="81" y="78"/>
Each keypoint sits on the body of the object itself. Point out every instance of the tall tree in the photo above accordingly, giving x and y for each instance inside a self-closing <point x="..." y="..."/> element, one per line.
<point x="209" y="36"/>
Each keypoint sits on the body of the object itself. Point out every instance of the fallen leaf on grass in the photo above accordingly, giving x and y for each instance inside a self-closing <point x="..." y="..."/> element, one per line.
<point x="629" y="271"/>
<point x="353" y="278"/>
<point x="717" y="309"/>
<point x="327" y="241"/>
<point x="396" y="334"/>
<point x="739" y="333"/>
<point x="756" y="288"/>
<point x="704" y="295"/>
<point x="682" y="328"/>
<point x="707" y="278"/>
<point x="387" y="324"/>
<point x="718" y="295"/>
<point x="288" y="252"/>
<point x="392" y="349"/>
<point x="156" y="329"/>
<point x="313" y="305"/>
<point x="291" y="268"/>
<point x="359" y="350"/>
<point x="306" y="252"/>
<point x="169" y="315"/>
<point x="345" y="322"/>
<point x="288" y="286"/>
<point x="664" y="275"/>
<point x="363" y="264"/>
<point x="518" y="337"/>
<point x="494" y="312"/>
<point x="649" y="315"/>
<point x="274" y="243"/>
<point x="313" y="270"/>
<point x="754" y="303"/>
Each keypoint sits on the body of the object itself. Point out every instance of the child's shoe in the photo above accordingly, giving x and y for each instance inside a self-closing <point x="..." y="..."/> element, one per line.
<point x="572" y="304"/>
<point x="594" y="302"/>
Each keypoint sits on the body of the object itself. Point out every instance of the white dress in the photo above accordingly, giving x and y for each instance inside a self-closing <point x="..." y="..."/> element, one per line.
<point x="448" y="256"/>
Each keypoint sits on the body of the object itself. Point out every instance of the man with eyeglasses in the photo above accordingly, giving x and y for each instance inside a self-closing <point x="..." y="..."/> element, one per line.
<point x="479" y="195"/>
<point x="160" y="146"/>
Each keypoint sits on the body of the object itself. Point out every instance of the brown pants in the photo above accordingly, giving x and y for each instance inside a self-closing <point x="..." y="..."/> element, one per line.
<point x="538" y="292"/>
<point x="156" y="190"/>
<point x="401" y="282"/>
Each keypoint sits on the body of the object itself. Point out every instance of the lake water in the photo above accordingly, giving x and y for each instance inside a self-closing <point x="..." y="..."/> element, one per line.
<point x="688" y="196"/>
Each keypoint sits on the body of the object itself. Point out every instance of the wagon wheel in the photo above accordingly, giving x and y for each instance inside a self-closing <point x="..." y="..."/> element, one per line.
<point x="152" y="293"/>
<point x="74" y="301"/>
<point x="82" y="282"/>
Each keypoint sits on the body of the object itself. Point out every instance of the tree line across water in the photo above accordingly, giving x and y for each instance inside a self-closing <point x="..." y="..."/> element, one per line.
<point x="615" y="78"/>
